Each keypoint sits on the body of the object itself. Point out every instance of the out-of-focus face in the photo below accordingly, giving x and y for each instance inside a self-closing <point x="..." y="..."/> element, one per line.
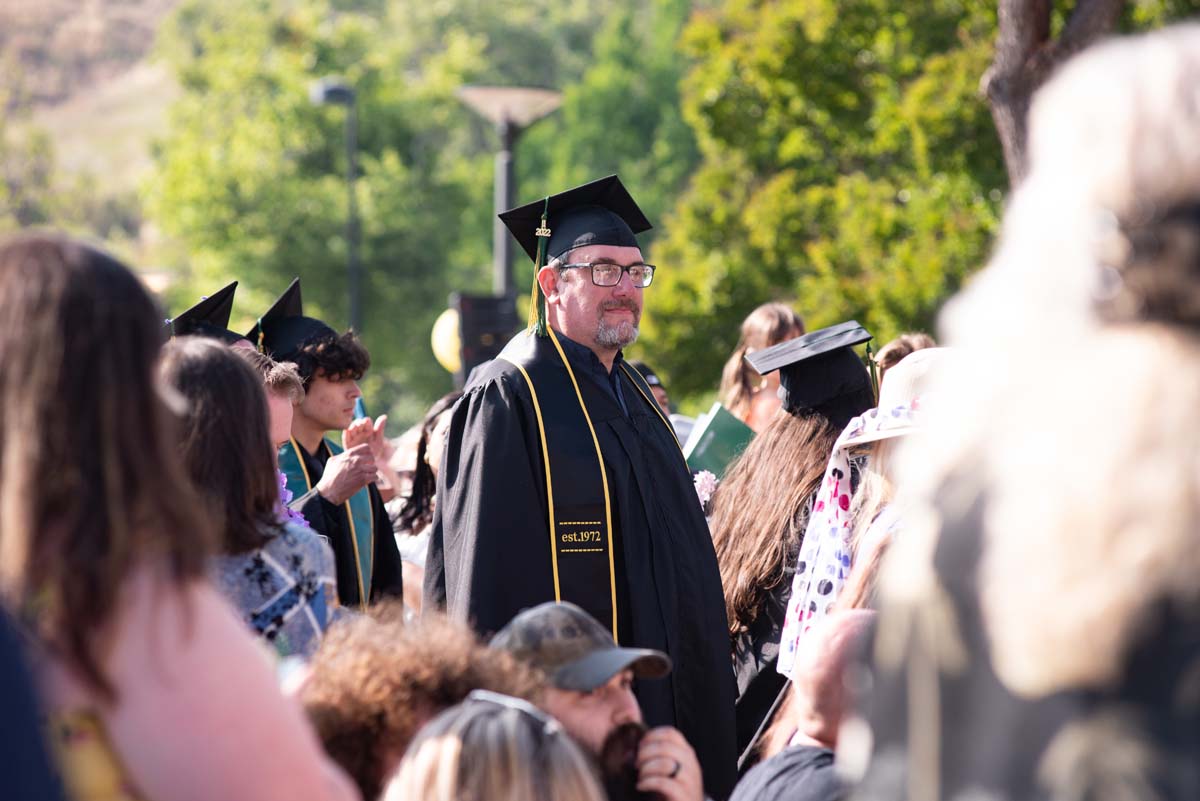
<point x="664" y="402"/>
<point x="437" y="441"/>
<point x="280" y="409"/>
<point x="330" y="404"/>
<point x="589" y="717"/>
<point x="601" y="317"/>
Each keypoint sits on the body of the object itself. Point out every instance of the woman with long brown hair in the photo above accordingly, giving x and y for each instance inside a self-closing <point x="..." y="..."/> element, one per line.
<point x="751" y="397"/>
<point x="144" y="668"/>
<point x="277" y="572"/>
<point x="761" y="509"/>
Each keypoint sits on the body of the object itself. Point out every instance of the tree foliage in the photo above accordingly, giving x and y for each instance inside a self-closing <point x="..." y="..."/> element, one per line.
<point x="250" y="178"/>
<point x="849" y="166"/>
<point x="837" y="154"/>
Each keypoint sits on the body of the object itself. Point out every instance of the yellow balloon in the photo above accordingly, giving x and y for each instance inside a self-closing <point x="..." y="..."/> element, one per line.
<point x="444" y="339"/>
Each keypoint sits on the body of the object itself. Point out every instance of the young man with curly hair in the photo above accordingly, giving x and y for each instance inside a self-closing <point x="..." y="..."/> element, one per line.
<point x="333" y="486"/>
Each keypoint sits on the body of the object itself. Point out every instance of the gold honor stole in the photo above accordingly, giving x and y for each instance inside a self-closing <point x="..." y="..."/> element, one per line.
<point x="359" y="517"/>
<point x="579" y="505"/>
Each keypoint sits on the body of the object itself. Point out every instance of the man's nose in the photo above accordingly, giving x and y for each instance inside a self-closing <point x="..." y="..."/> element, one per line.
<point x="624" y="286"/>
<point x="355" y="390"/>
<point x="627" y="710"/>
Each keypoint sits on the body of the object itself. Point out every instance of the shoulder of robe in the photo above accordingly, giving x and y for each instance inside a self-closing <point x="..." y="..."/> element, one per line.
<point x="496" y="374"/>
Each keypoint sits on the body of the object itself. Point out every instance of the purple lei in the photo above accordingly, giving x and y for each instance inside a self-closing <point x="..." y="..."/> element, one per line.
<point x="285" y="513"/>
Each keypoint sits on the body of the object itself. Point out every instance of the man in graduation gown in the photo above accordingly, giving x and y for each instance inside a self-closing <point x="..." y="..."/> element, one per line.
<point x="333" y="488"/>
<point x="562" y="480"/>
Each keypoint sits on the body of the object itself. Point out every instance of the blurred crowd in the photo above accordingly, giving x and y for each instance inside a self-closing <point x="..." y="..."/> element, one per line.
<point x="960" y="571"/>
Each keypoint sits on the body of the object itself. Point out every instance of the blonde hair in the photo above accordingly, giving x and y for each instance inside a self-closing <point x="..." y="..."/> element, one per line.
<point x="1089" y="481"/>
<point x="875" y="490"/>
<point x="481" y="751"/>
<point x="376" y="680"/>
<point x="769" y="324"/>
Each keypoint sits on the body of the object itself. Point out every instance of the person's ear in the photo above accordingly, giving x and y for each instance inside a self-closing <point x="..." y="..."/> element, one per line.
<point x="548" y="279"/>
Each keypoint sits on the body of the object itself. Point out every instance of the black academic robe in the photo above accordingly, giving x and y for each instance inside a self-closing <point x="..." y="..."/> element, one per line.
<point x="330" y="521"/>
<point x="755" y="655"/>
<point x="489" y="554"/>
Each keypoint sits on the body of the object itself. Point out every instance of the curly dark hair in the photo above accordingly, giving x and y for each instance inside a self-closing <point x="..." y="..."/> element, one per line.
<point x="376" y="680"/>
<point x="334" y="356"/>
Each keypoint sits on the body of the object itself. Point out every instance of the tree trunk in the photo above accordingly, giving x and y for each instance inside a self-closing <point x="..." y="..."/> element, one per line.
<point x="1026" y="56"/>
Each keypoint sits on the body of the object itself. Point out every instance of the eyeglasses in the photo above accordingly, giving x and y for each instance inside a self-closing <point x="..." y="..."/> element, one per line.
<point x="607" y="273"/>
<point x="531" y="713"/>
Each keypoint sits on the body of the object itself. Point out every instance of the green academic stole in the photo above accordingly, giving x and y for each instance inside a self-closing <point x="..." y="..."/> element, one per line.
<point x="358" y="512"/>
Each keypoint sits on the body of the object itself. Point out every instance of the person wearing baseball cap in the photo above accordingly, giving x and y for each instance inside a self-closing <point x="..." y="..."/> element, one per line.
<point x="589" y="689"/>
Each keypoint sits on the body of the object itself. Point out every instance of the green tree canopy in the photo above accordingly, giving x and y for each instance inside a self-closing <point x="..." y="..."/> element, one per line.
<point x="250" y="179"/>
<point x="849" y="167"/>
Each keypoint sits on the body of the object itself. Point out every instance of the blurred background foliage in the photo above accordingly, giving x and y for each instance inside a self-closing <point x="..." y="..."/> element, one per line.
<point x="834" y="154"/>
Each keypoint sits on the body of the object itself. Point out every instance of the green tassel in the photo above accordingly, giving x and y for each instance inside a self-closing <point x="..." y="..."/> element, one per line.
<point x="537" y="304"/>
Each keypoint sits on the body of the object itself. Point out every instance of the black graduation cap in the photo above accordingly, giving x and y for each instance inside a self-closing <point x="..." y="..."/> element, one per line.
<point x="208" y="318"/>
<point x="598" y="213"/>
<point x="821" y="372"/>
<point x="283" y="328"/>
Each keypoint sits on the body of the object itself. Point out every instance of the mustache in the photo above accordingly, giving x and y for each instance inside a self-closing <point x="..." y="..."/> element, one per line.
<point x="619" y="304"/>
<point x="619" y="751"/>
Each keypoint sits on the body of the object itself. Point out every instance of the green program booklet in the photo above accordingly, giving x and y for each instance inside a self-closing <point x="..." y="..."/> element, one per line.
<point x="716" y="440"/>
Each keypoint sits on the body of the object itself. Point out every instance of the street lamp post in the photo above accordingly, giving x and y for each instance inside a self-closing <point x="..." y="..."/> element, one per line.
<point x="511" y="110"/>
<point x="337" y="92"/>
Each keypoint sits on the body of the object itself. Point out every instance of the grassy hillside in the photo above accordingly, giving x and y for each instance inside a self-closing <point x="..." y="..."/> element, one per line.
<point x="79" y="70"/>
<point x="52" y="50"/>
<point x="107" y="129"/>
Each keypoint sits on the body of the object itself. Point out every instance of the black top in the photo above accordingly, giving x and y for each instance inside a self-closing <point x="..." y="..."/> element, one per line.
<point x="1137" y="739"/>
<point x="755" y="655"/>
<point x="24" y="761"/>
<point x="798" y="773"/>
<point x="582" y="354"/>
<point x="330" y="522"/>
<point x="489" y="553"/>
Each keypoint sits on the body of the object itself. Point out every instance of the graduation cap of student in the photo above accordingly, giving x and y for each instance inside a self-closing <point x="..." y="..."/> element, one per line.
<point x="283" y="328"/>
<point x="208" y="318"/>
<point x="598" y="213"/>
<point x="821" y="372"/>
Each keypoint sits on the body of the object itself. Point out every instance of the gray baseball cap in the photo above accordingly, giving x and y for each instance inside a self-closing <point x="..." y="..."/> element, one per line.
<point x="573" y="649"/>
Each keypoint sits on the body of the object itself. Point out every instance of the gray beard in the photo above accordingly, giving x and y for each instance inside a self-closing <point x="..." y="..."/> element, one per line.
<point x="616" y="336"/>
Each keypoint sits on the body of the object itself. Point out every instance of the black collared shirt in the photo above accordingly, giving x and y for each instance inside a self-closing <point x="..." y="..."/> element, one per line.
<point x="582" y="355"/>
